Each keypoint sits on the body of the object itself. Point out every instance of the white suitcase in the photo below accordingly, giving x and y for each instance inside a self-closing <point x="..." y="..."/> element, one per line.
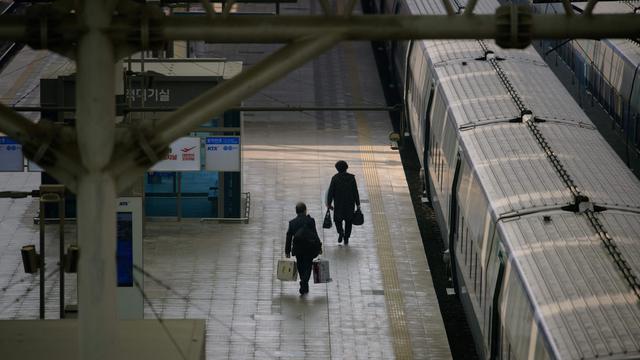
<point x="321" y="271"/>
<point x="287" y="270"/>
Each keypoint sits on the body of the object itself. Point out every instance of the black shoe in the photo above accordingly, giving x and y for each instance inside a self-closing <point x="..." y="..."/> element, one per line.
<point x="339" y="238"/>
<point x="346" y="241"/>
<point x="303" y="291"/>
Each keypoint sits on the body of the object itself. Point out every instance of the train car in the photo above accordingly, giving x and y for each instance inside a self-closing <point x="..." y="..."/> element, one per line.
<point x="540" y="216"/>
<point x="608" y="68"/>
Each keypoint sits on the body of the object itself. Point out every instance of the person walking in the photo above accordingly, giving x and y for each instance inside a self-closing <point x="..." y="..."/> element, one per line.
<point x="343" y="194"/>
<point x="303" y="237"/>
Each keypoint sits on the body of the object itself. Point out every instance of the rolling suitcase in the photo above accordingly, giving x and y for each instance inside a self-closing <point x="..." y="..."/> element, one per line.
<point x="321" y="271"/>
<point x="287" y="270"/>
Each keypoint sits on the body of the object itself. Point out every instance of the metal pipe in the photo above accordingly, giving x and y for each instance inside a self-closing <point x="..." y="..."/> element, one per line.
<point x="41" y="262"/>
<point x="349" y="6"/>
<point x="448" y="7"/>
<point x="95" y="126"/>
<point x="284" y="29"/>
<point x="326" y="7"/>
<point x="208" y="8"/>
<point x="252" y="29"/>
<point x="241" y="108"/>
<point x="281" y="29"/>
<point x="588" y="9"/>
<point x="13" y="27"/>
<point x="32" y="135"/>
<point x="567" y="7"/>
<point x="16" y="126"/>
<point x="471" y="5"/>
<point x="61" y="215"/>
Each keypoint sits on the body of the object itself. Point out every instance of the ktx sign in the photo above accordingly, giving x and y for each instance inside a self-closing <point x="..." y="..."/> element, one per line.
<point x="11" y="158"/>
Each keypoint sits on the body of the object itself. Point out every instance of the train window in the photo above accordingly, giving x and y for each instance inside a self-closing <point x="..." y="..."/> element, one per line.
<point x="461" y="233"/>
<point x="471" y="257"/>
<point x="441" y="171"/>
<point x="485" y="290"/>
<point x="481" y="286"/>
<point x="440" y="167"/>
<point x="466" y="245"/>
<point x="431" y="149"/>
<point x="437" y="152"/>
<point x="475" y="273"/>
<point x="466" y="248"/>
<point x="429" y="107"/>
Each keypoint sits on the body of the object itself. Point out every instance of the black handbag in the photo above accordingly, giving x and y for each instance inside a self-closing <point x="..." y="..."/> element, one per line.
<point x="358" y="218"/>
<point x="326" y="224"/>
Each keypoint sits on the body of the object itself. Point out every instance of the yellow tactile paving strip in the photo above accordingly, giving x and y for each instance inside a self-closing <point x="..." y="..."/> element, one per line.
<point x="394" y="299"/>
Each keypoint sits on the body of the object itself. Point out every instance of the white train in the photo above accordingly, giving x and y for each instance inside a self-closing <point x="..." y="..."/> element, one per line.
<point x="541" y="217"/>
<point x="609" y="68"/>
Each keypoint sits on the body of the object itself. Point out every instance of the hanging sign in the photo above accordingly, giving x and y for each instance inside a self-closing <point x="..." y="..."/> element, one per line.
<point x="11" y="158"/>
<point x="184" y="155"/>
<point x="223" y="153"/>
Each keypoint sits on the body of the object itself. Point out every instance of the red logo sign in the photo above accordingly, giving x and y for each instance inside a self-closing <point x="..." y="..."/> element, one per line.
<point x="185" y="150"/>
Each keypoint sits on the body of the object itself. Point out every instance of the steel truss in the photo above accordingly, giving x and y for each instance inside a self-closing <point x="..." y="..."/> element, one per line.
<point x="97" y="160"/>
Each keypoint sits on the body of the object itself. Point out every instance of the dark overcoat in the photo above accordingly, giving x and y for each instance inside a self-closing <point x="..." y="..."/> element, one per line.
<point x="301" y="247"/>
<point x="343" y="192"/>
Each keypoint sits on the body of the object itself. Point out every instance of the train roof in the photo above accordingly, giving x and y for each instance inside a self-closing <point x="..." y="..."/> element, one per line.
<point x="628" y="49"/>
<point x="578" y="293"/>
<point x="507" y="158"/>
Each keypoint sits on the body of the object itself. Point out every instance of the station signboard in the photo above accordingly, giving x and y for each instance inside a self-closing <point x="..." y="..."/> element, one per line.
<point x="184" y="155"/>
<point x="222" y="153"/>
<point x="11" y="158"/>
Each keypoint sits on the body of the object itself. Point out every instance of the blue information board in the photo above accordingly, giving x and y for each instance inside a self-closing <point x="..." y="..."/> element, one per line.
<point x="11" y="158"/>
<point x="222" y="153"/>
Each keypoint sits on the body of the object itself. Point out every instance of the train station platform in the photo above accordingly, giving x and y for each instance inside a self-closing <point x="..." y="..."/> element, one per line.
<point x="381" y="303"/>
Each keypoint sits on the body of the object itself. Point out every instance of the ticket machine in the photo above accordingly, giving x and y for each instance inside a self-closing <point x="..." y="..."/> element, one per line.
<point x="129" y="258"/>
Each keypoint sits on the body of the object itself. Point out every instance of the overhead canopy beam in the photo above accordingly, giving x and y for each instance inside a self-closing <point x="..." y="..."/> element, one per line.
<point x="52" y="147"/>
<point x="285" y="29"/>
<point x="252" y="29"/>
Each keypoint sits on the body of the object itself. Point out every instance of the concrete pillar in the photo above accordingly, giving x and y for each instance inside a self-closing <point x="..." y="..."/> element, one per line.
<point x="95" y="101"/>
<point x="96" y="271"/>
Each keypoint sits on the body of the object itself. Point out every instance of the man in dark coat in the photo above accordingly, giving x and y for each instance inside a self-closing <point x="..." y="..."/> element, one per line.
<point x="343" y="193"/>
<point x="302" y="235"/>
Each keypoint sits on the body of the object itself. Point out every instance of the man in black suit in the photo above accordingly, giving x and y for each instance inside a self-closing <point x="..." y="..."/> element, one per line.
<point x="303" y="236"/>
<point x="343" y="193"/>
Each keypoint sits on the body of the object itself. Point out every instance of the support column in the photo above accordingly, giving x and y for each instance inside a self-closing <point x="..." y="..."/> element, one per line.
<point x="95" y="125"/>
<point x="97" y="311"/>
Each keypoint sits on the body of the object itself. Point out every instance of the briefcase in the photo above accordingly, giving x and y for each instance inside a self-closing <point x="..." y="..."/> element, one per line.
<point x="358" y="218"/>
<point x="321" y="271"/>
<point x="326" y="224"/>
<point x="287" y="270"/>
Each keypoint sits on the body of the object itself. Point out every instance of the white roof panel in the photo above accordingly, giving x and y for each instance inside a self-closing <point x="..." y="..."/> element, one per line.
<point x="577" y="290"/>
<point x="595" y="168"/>
<point x="514" y="172"/>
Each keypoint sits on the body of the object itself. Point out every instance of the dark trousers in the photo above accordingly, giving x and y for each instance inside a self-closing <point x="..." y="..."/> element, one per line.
<point x="304" y="264"/>
<point x="348" y="224"/>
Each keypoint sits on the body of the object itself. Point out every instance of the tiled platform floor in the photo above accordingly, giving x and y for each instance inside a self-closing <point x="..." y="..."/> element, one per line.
<point x="381" y="304"/>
